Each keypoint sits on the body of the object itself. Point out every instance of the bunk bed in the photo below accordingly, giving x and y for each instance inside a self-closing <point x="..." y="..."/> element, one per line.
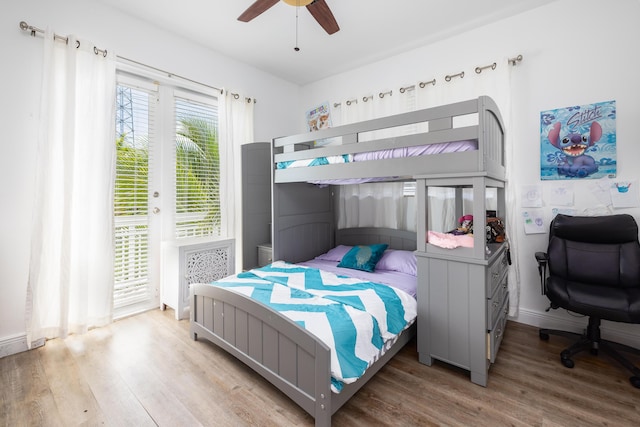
<point x="303" y="227"/>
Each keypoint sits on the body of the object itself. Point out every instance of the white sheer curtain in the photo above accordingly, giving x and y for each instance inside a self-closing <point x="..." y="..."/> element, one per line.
<point x="236" y="128"/>
<point x="379" y="204"/>
<point x="70" y="287"/>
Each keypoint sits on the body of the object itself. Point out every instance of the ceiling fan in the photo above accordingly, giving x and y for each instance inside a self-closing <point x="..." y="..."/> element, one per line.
<point x="318" y="9"/>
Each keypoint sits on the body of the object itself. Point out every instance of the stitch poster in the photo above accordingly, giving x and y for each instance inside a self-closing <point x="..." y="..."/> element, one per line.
<point x="578" y="142"/>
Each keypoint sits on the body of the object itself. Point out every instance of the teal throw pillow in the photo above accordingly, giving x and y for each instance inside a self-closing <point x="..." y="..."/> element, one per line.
<point x="363" y="257"/>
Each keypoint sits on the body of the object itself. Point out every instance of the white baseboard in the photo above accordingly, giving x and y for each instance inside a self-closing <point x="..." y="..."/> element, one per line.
<point x="16" y="344"/>
<point x="557" y="319"/>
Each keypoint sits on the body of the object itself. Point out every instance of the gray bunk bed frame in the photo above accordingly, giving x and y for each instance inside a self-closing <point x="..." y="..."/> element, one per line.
<point x="303" y="226"/>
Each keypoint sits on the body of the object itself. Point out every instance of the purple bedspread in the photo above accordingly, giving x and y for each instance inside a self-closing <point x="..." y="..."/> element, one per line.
<point x="419" y="150"/>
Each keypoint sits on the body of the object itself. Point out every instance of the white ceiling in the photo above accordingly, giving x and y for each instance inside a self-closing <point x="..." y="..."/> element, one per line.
<point x="370" y="30"/>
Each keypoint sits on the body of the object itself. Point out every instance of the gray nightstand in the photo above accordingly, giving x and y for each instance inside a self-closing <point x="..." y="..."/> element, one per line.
<point x="264" y="254"/>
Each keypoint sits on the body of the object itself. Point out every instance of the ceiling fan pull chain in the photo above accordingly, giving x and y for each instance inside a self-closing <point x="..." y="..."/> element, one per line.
<point x="296" y="48"/>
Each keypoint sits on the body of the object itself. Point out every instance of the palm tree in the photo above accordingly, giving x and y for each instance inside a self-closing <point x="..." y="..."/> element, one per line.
<point x="198" y="173"/>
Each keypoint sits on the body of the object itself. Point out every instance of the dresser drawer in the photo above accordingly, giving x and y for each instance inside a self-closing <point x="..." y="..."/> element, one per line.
<point x="496" y="302"/>
<point x="495" y="335"/>
<point x="495" y="272"/>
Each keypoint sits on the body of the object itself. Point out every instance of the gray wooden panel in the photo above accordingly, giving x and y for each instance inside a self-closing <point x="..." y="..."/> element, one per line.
<point x="270" y="348"/>
<point x="255" y="339"/>
<point x="288" y="359"/>
<point x="306" y="373"/>
<point x="198" y="312"/>
<point x="218" y="318"/>
<point x="256" y="200"/>
<point x="438" y="301"/>
<point x="303" y="221"/>
<point x="396" y="239"/>
<point x="229" y="323"/>
<point x="459" y="317"/>
<point x="242" y="330"/>
<point x="304" y="242"/>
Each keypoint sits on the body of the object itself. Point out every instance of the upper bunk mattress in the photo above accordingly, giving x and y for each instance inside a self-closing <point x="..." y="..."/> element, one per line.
<point x="391" y="153"/>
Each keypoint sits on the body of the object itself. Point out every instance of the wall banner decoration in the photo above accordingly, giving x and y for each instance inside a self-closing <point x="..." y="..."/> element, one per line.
<point x="319" y="118"/>
<point x="578" y="142"/>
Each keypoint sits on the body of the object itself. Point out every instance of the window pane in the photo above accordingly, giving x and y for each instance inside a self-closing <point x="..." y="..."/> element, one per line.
<point x="133" y="123"/>
<point x="197" y="169"/>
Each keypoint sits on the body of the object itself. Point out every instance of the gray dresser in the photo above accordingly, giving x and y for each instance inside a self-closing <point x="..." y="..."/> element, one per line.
<point x="463" y="296"/>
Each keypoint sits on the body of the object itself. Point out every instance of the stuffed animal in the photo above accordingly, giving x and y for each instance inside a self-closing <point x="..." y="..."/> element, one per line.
<point x="465" y="227"/>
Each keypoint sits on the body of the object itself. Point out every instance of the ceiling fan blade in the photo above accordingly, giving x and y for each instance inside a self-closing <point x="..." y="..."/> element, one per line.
<point x="321" y="12"/>
<point x="256" y="9"/>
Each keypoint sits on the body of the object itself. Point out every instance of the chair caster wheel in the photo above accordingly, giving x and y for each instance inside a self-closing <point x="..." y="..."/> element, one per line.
<point x="566" y="361"/>
<point x="543" y="336"/>
<point x="635" y="381"/>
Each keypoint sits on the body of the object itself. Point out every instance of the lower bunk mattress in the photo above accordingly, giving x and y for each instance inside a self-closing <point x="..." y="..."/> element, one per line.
<point x="356" y="318"/>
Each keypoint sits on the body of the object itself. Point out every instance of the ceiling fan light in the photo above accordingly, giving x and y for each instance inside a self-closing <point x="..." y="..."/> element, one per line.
<point x="298" y="2"/>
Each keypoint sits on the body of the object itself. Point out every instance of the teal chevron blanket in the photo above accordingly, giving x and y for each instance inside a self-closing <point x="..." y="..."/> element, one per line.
<point x="354" y="318"/>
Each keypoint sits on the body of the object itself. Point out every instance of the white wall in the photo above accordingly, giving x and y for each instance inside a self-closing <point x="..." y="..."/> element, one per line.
<point x="19" y="84"/>
<point x="575" y="52"/>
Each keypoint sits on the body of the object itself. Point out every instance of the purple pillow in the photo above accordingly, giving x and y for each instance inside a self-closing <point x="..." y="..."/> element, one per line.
<point x="397" y="260"/>
<point x="336" y="254"/>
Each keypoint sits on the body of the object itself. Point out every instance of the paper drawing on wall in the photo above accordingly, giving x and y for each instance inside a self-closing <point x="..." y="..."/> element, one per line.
<point x="578" y="142"/>
<point x="320" y="118"/>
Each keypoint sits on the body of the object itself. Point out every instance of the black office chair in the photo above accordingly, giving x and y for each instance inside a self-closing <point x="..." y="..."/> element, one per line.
<point x="593" y="269"/>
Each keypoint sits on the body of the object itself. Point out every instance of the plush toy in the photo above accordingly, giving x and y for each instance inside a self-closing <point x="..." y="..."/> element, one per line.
<point x="466" y="225"/>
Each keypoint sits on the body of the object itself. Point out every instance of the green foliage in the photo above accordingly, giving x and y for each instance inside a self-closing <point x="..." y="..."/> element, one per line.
<point x="198" y="170"/>
<point x="197" y="176"/>
<point x="132" y="178"/>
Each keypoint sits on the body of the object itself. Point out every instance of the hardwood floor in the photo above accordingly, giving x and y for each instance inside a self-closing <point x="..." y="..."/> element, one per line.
<point x="146" y="371"/>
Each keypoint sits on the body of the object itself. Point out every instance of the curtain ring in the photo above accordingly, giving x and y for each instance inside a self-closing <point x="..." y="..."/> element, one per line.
<point x="423" y="84"/>
<point x="449" y="77"/>
<point x="492" y="66"/>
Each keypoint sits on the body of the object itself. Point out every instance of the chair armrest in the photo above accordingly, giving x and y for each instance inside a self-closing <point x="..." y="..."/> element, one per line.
<point x="542" y="258"/>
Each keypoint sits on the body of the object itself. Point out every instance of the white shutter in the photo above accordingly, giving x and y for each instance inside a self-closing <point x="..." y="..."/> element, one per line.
<point x="197" y="164"/>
